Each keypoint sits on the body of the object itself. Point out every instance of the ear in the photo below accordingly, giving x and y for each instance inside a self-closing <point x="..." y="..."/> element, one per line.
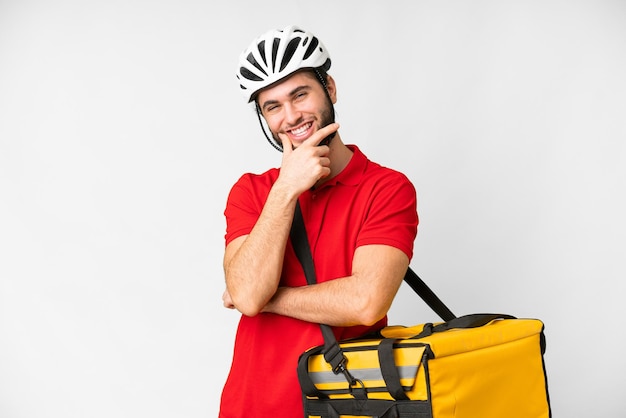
<point x="332" y="88"/>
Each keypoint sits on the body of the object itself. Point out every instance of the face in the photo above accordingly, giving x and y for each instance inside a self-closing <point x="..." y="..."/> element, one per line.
<point x="297" y="106"/>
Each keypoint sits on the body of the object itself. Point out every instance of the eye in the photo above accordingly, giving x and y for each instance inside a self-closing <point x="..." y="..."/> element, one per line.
<point x="272" y="108"/>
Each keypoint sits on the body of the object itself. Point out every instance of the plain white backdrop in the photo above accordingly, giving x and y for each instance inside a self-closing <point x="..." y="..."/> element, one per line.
<point x="122" y="130"/>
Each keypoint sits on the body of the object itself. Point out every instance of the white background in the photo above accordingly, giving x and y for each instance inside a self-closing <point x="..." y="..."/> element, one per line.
<point x="122" y="130"/>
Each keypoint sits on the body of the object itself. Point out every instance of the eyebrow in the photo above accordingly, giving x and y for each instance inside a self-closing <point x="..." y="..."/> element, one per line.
<point x="291" y="94"/>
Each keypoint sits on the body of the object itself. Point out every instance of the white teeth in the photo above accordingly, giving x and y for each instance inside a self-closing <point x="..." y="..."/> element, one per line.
<point x="301" y="130"/>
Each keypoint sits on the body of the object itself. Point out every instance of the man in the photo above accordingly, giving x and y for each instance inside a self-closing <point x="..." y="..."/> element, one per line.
<point x="360" y="218"/>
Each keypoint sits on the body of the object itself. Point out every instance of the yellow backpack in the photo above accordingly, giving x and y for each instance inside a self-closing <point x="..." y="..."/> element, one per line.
<point x="473" y="366"/>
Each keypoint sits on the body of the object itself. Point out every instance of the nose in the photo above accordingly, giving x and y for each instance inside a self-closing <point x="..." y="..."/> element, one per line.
<point x="293" y="115"/>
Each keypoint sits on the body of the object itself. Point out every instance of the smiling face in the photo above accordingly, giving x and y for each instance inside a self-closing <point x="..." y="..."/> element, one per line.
<point x="297" y="106"/>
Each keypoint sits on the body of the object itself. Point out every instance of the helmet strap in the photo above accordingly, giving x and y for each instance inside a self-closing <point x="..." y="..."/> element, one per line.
<point x="319" y="76"/>
<point x="272" y="141"/>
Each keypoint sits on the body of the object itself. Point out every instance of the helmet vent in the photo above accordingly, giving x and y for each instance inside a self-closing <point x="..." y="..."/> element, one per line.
<point x="249" y="74"/>
<point x="311" y="48"/>
<point x="254" y="62"/>
<point x="261" y="48"/>
<point x="275" y="46"/>
<point x="289" y="51"/>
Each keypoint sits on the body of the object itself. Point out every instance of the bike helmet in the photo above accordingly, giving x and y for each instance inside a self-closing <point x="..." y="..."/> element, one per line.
<point x="276" y="55"/>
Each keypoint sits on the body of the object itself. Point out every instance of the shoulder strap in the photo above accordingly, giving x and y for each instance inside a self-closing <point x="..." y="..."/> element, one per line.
<point x="427" y="295"/>
<point x="300" y="242"/>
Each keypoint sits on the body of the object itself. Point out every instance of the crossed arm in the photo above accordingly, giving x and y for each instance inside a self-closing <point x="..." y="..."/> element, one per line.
<point x="253" y="266"/>
<point x="362" y="298"/>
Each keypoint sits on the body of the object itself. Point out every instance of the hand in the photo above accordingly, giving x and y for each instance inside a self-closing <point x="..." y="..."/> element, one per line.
<point x="305" y="165"/>
<point x="228" y="302"/>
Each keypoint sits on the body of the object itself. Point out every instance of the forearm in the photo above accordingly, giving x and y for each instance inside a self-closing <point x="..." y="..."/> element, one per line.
<point x="362" y="298"/>
<point x="253" y="266"/>
<point x="332" y="303"/>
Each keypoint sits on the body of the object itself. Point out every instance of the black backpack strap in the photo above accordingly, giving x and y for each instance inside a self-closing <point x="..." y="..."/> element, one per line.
<point x="300" y="242"/>
<point x="431" y="299"/>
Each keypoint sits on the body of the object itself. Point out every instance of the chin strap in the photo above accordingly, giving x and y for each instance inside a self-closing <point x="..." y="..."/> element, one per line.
<point x="319" y="76"/>
<point x="273" y="143"/>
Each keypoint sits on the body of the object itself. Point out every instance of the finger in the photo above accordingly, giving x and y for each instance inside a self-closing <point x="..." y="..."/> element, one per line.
<point x="227" y="301"/>
<point x="319" y="136"/>
<point x="286" y="143"/>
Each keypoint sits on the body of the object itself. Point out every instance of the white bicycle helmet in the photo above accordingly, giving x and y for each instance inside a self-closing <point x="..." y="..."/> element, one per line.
<point x="277" y="54"/>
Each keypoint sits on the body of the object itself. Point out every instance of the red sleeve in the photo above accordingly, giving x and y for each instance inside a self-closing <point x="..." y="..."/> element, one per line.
<point x="392" y="218"/>
<point x="245" y="203"/>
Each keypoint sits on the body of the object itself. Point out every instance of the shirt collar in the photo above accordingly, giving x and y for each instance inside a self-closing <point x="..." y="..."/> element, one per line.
<point x="352" y="174"/>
